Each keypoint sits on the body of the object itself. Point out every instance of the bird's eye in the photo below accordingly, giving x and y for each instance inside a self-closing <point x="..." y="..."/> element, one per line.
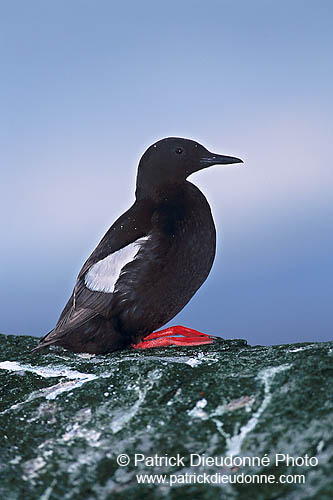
<point x="179" y="151"/>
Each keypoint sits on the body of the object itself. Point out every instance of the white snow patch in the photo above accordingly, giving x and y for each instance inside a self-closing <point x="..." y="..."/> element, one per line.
<point x="32" y="467"/>
<point x="197" y="411"/>
<point x="193" y="362"/>
<point x="167" y="359"/>
<point x="46" y="371"/>
<point x="122" y="418"/>
<point x="76" y="431"/>
<point x="76" y="379"/>
<point x="320" y="446"/>
<point x="234" y="443"/>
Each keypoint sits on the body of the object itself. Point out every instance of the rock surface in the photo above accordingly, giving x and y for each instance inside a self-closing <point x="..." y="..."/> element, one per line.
<point x="65" y="418"/>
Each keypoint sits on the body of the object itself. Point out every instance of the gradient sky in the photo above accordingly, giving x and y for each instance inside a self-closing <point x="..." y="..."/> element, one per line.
<point x="87" y="86"/>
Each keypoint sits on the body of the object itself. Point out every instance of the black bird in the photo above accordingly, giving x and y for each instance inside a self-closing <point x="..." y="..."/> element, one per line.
<point x="150" y="262"/>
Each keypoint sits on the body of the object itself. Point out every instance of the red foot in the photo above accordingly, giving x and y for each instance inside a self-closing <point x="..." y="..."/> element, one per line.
<point x="163" y="338"/>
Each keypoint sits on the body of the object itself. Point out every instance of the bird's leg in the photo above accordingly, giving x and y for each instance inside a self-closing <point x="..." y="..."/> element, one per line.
<point x="184" y="336"/>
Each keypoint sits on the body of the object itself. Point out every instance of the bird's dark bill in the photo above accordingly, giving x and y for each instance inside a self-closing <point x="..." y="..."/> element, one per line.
<point x="215" y="159"/>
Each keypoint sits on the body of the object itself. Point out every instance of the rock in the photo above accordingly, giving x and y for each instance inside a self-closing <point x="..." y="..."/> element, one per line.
<point x="200" y="413"/>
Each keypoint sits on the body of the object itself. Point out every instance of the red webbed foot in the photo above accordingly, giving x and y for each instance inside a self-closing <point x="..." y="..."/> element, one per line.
<point x="184" y="337"/>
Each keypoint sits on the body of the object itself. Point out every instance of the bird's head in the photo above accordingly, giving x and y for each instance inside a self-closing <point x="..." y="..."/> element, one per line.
<point x="170" y="161"/>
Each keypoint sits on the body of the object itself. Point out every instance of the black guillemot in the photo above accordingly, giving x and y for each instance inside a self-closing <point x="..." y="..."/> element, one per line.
<point x="150" y="262"/>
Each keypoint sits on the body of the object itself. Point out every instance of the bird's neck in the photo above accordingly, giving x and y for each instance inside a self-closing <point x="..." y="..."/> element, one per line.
<point x="158" y="192"/>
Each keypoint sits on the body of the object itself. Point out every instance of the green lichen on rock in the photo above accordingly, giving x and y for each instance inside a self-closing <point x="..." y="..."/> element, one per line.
<point x="65" y="418"/>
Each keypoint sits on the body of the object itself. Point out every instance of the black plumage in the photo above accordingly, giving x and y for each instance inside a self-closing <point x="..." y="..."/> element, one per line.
<point x="172" y="222"/>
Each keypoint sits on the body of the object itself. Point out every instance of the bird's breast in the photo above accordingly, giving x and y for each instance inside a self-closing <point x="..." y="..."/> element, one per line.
<point x="169" y="268"/>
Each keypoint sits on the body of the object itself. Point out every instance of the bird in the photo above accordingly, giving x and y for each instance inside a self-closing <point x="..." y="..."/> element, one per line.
<point x="150" y="262"/>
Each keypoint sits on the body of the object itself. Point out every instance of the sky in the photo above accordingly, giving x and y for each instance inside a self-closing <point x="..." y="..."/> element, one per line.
<point x="87" y="86"/>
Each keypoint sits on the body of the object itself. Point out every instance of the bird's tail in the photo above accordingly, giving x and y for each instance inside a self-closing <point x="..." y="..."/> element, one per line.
<point x="71" y="321"/>
<point x="95" y="336"/>
<point x="44" y="343"/>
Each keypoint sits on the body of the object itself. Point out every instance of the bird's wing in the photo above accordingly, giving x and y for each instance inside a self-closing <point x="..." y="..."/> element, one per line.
<point x="93" y="291"/>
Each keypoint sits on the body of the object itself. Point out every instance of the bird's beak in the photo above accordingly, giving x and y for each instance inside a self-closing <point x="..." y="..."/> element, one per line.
<point x="214" y="159"/>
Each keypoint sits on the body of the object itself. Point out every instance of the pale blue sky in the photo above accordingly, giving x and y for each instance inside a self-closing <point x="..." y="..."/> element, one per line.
<point x="86" y="86"/>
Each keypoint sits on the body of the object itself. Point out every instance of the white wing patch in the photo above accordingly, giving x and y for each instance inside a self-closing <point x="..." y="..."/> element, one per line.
<point x="103" y="275"/>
